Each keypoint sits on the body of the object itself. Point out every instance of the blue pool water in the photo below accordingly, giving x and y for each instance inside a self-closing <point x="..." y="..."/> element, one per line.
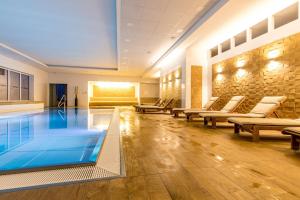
<point x="51" y="138"/>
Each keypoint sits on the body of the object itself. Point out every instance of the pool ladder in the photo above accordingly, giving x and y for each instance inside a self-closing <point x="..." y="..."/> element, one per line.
<point x="62" y="102"/>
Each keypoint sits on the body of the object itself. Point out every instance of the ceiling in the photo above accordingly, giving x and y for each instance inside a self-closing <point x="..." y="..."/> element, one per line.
<point x="95" y="36"/>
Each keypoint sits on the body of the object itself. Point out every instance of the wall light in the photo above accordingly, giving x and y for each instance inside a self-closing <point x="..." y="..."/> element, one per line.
<point x="241" y="73"/>
<point x="177" y="74"/>
<point x="170" y="77"/>
<point x="273" y="53"/>
<point x="219" y="77"/>
<point x="274" y="65"/>
<point x="219" y="69"/>
<point x="240" y="62"/>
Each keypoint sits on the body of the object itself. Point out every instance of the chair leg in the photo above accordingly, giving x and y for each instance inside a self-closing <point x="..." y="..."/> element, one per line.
<point x="255" y="134"/>
<point x="175" y="114"/>
<point x="236" y="129"/>
<point x="295" y="145"/>
<point x="188" y="118"/>
<point x="205" y="120"/>
<point x="214" y="122"/>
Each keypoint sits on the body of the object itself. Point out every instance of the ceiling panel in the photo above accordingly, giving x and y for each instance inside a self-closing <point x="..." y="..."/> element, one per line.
<point x="149" y="28"/>
<point x="68" y="32"/>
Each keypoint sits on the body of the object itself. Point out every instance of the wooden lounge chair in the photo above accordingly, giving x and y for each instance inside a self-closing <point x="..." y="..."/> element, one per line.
<point x="208" y="106"/>
<point x="230" y="107"/>
<point x="169" y="104"/>
<point x="265" y="108"/>
<point x="254" y="125"/>
<point x="157" y="103"/>
<point x="295" y="133"/>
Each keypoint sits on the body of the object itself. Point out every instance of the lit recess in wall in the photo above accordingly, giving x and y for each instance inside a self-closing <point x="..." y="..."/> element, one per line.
<point x="274" y="65"/>
<point x="274" y="53"/>
<point x="240" y="62"/>
<point x="219" y="69"/>
<point x="241" y="73"/>
<point x="170" y="77"/>
<point x="114" y="84"/>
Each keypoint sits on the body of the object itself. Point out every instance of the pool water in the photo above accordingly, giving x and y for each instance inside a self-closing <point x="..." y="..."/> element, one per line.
<point x="51" y="138"/>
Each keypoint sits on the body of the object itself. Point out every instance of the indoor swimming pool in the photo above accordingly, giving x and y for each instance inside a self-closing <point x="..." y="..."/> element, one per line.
<point x="52" y="138"/>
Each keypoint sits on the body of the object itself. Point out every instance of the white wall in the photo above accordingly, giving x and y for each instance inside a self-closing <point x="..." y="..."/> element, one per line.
<point x="149" y="90"/>
<point x="82" y="80"/>
<point x="40" y="76"/>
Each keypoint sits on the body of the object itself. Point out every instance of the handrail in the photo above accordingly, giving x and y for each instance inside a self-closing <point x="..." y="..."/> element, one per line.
<point x="62" y="102"/>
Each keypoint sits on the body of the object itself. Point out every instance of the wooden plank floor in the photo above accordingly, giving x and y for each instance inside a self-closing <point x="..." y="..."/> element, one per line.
<point x="169" y="158"/>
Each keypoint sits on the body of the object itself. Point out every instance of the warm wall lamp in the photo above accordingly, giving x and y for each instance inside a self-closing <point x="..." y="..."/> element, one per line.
<point x="274" y="53"/>
<point x="274" y="65"/>
<point x="240" y="62"/>
<point x="241" y="73"/>
<point x="219" y="69"/>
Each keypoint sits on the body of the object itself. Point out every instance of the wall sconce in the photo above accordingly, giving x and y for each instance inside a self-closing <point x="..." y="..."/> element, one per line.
<point x="273" y="53"/>
<point x="241" y="73"/>
<point x="219" y="69"/>
<point x="274" y="65"/>
<point x="240" y="62"/>
<point x="219" y="77"/>
<point x="177" y="74"/>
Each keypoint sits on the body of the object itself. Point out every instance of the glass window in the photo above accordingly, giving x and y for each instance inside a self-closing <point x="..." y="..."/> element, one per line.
<point x="24" y="87"/>
<point x="3" y="85"/>
<point x="14" y="86"/>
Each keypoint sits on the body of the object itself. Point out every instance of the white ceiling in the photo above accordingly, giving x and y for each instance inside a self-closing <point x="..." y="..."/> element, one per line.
<point x="150" y="27"/>
<point x="83" y="33"/>
<point x="62" y="32"/>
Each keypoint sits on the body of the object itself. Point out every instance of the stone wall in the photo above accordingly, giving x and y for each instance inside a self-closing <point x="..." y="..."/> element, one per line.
<point x="273" y="69"/>
<point x="171" y="86"/>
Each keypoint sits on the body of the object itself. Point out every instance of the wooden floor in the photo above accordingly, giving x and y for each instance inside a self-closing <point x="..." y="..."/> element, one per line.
<point x="169" y="158"/>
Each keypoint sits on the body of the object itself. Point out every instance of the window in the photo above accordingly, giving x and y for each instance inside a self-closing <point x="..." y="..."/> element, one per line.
<point x="214" y="51"/>
<point x="24" y="87"/>
<point x="226" y="45"/>
<point x="14" y="86"/>
<point x="3" y="85"/>
<point x="260" y="29"/>
<point x="286" y="16"/>
<point x="240" y="38"/>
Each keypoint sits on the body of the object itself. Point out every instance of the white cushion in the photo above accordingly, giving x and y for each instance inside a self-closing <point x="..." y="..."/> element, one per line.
<point x="233" y="103"/>
<point x="273" y="99"/>
<point x="268" y="105"/>
<point x="211" y="101"/>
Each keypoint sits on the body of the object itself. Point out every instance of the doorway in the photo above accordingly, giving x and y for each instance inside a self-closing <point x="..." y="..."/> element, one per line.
<point x="57" y="91"/>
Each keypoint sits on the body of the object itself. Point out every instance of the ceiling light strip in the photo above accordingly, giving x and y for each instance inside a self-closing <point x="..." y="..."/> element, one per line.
<point x="202" y="19"/>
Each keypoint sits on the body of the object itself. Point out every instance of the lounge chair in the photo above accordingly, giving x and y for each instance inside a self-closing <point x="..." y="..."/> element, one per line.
<point x="254" y="125"/>
<point x="230" y="107"/>
<point x="157" y="103"/>
<point x="265" y="108"/>
<point x="295" y="133"/>
<point x="169" y="104"/>
<point x="208" y="106"/>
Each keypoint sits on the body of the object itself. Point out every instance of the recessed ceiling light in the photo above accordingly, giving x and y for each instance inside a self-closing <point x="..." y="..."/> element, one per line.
<point x="173" y="37"/>
<point x="149" y="52"/>
<point x="127" y="40"/>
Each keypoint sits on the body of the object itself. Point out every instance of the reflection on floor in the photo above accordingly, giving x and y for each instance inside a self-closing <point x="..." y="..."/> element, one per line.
<point x="171" y="159"/>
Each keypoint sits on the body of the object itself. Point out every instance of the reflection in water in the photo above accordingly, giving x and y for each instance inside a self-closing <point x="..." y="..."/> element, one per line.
<point x="51" y="138"/>
<point x="15" y="132"/>
<point x="58" y="118"/>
